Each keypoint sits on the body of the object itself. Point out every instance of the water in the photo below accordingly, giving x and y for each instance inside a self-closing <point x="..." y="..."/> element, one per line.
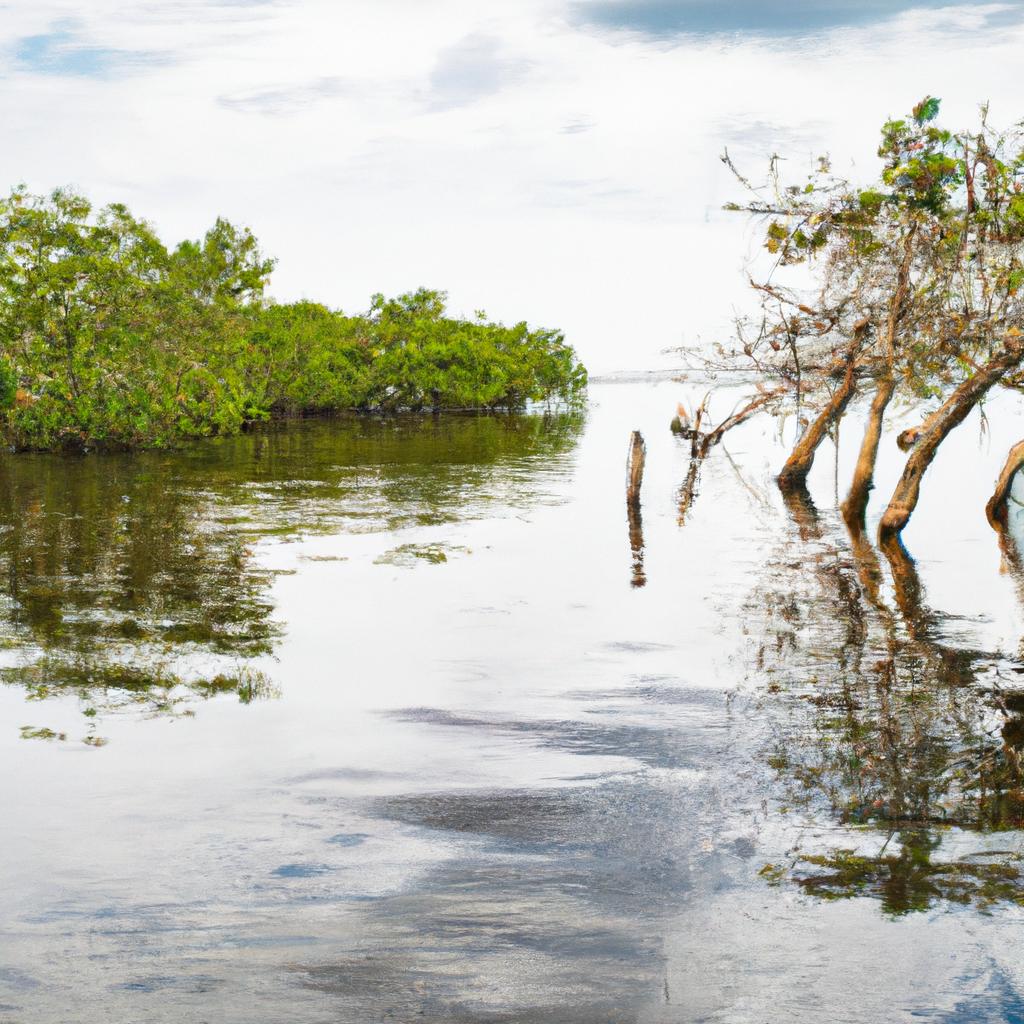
<point x="372" y="720"/>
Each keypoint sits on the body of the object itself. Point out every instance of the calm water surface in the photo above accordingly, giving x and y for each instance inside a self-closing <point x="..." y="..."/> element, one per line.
<point x="365" y="721"/>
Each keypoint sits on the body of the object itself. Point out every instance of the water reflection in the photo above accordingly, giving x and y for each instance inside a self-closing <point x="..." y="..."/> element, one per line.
<point x="500" y="785"/>
<point x="123" y="575"/>
<point x="634" y="517"/>
<point x="905" y="734"/>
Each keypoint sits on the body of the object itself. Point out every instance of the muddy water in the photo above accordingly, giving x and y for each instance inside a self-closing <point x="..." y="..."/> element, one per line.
<point x="365" y="721"/>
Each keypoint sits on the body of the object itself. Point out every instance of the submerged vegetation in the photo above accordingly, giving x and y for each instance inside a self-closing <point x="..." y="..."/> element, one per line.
<point x="909" y="289"/>
<point x="109" y="338"/>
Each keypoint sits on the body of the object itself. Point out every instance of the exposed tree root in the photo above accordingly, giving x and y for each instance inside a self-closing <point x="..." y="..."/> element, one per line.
<point x="936" y="429"/>
<point x="856" y="502"/>
<point x="996" y="509"/>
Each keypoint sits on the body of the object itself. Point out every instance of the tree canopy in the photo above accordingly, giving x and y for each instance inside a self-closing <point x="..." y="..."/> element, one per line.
<point x="109" y="338"/>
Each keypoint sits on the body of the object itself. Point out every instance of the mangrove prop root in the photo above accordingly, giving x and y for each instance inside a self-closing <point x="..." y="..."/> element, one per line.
<point x="996" y="509"/>
<point x="937" y="428"/>
<point x="799" y="463"/>
<point x="702" y="441"/>
<point x="855" y="504"/>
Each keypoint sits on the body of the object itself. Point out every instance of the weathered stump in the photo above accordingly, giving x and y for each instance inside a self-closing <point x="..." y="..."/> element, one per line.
<point x="635" y="468"/>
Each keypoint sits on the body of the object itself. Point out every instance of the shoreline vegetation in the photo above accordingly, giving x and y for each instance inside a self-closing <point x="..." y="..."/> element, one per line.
<point x="111" y="340"/>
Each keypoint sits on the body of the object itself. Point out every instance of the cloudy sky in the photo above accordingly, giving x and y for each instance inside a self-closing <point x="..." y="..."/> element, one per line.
<point x="547" y="160"/>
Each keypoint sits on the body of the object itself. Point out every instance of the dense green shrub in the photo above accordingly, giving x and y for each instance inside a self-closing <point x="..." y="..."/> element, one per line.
<point x="422" y="359"/>
<point x="115" y="340"/>
<point x="8" y="384"/>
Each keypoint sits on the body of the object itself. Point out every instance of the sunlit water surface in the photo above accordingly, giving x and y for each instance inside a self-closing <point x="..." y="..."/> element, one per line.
<point x="370" y="720"/>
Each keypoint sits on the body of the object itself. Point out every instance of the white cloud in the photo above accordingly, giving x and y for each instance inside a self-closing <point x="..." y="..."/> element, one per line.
<point x="534" y="168"/>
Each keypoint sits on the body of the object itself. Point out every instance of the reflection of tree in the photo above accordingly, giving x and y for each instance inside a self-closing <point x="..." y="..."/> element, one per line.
<point x="634" y="517"/>
<point x="897" y="728"/>
<point x="114" y="569"/>
<point x="1011" y="541"/>
<point x="119" y="575"/>
<point x="104" y="550"/>
<point x="910" y="879"/>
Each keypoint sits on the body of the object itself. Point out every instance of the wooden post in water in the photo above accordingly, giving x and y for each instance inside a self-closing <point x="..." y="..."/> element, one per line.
<point x="634" y="479"/>
<point x="635" y="469"/>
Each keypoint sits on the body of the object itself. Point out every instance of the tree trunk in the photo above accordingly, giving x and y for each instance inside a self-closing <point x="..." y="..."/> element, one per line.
<point x="950" y="414"/>
<point x="798" y="465"/>
<point x="856" y="503"/>
<point x="996" y="509"/>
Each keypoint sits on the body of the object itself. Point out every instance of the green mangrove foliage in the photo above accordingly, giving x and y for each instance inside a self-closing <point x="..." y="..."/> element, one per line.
<point x="109" y="338"/>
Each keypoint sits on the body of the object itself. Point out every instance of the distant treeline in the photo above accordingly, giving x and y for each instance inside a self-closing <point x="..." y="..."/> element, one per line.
<point x="109" y="338"/>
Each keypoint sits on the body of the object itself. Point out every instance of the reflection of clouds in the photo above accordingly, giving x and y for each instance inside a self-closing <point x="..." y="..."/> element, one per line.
<point x="288" y="99"/>
<point x="553" y="901"/>
<point x="650" y="741"/>
<point x="577" y="127"/>
<point x="766" y="137"/>
<point x="470" y="70"/>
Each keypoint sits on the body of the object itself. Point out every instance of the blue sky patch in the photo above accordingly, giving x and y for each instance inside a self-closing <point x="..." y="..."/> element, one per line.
<point x="62" y="51"/>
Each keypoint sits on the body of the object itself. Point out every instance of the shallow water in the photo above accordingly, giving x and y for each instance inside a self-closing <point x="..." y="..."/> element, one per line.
<point x="371" y="720"/>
